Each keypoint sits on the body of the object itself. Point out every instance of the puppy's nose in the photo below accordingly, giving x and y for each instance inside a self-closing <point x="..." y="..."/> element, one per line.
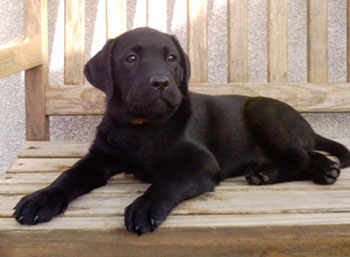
<point x="160" y="82"/>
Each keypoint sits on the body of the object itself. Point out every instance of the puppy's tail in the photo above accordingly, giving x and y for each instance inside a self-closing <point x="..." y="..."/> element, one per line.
<point x="334" y="148"/>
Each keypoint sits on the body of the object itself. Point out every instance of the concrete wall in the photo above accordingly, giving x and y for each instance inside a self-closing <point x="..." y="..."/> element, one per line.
<point x="12" y="124"/>
<point x="12" y="115"/>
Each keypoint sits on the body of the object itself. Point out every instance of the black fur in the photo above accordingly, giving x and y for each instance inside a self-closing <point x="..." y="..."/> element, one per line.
<point x="186" y="143"/>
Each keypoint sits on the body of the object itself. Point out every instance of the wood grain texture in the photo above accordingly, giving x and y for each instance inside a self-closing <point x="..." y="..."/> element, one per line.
<point x="74" y="42"/>
<point x="54" y="149"/>
<point x="48" y="177"/>
<point x="124" y="185"/>
<point x="61" y="100"/>
<point x="237" y="19"/>
<point x="303" y="97"/>
<point x="37" y="123"/>
<point x="317" y="35"/>
<point x="197" y="40"/>
<point x="262" y="241"/>
<point x="218" y="203"/>
<point x="29" y="165"/>
<point x="116" y="17"/>
<point x="157" y="15"/>
<point x="277" y="46"/>
<point x="333" y="97"/>
<point x="19" y="54"/>
<point x="186" y="221"/>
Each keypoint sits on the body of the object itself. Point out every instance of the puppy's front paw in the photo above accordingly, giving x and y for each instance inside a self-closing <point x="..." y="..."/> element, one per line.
<point x="145" y="215"/>
<point x="40" y="206"/>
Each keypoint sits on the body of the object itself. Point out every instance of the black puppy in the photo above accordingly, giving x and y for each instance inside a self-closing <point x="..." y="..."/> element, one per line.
<point x="181" y="142"/>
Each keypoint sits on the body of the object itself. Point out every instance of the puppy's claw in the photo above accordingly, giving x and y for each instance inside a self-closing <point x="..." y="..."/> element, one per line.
<point x="138" y="230"/>
<point x="256" y="180"/>
<point x="265" y="178"/>
<point x="335" y="166"/>
<point x="36" y="219"/>
<point x="20" y="219"/>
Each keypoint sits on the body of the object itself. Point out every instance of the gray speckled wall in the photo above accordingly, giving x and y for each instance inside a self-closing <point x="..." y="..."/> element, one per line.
<point x="12" y="115"/>
<point x="12" y="124"/>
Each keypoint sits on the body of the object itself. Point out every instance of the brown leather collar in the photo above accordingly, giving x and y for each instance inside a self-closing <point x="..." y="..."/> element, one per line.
<point x="138" y="121"/>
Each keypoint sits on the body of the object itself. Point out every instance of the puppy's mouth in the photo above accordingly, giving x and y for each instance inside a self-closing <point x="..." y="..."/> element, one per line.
<point x="156" y="107"/>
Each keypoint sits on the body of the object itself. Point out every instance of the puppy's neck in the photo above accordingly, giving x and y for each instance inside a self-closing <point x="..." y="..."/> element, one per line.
<point x="136" y="130"/>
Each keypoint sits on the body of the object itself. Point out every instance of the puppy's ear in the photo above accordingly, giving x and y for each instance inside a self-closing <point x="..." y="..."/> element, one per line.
<point x="98" y="70"/>
<point x="185" y="63"/>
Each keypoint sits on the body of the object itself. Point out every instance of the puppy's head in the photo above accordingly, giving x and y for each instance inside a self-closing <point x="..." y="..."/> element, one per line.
<point x="144" y="74"/>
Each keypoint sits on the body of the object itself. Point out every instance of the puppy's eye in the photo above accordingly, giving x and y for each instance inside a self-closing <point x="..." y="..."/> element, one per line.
<point x="171" y="58"/>
<point x="131" y="58"/>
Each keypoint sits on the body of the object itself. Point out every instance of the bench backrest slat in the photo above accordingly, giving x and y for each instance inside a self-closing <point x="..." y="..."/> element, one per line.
<point x="74" y="60"/>
<point x="317" y="34"/>
<point x="237" y="63"/>
<point x="277" y="41"/>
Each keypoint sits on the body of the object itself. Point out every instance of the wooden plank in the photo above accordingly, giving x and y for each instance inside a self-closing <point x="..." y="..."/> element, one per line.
<point x="157" y="15"/>
<point x="303" y="97"/>
<point x="63" y="100"/>
<point x="332" y="97"/>
<point x="209" y="241"/>
<point x="69" y="149"/>
<point x="54" y="149"/>
<point x="111" y="188"/>
<point x="38" y="177"/>
<point x="48" y="177"/>
<point x="74" y="42"/>
<point x="37" y="123"/>
<point x="237" y="17"/>
<point x="277" y="46"/>
<point x="197" y="40"/>
<point x="212" y="203"/>
<point x="317" y="35"/>
<point x="20" y="54"/>
<point x="43" y="165"/>
<point x="127" y="185"/>
<point x="116" y="17"/>
<point x="287" y="220"/>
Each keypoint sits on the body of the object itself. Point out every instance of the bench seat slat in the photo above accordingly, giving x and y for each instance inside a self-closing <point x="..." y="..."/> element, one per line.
<point x="54" y="149"/>
<point x="187" y="221"/>
<point x="220" y="202"/>
<point x="68" y="149"/>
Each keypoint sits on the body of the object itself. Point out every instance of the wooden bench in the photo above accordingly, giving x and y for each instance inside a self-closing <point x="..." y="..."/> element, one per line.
<point x="296" y="218"/>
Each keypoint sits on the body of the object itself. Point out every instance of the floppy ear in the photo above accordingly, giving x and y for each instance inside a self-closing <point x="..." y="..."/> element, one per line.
<point x="185" y="63"/>
<point x="98" y="70"/>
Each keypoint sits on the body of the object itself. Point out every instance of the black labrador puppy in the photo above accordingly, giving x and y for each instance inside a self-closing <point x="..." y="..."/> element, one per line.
<point x="183" y="143"/>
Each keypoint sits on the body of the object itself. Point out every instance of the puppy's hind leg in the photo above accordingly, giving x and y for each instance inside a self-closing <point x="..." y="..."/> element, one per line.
<point x="283" y="135"/>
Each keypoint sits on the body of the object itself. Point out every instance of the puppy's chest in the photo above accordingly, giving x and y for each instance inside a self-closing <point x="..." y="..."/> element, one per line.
<point x="140" y="147"/>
